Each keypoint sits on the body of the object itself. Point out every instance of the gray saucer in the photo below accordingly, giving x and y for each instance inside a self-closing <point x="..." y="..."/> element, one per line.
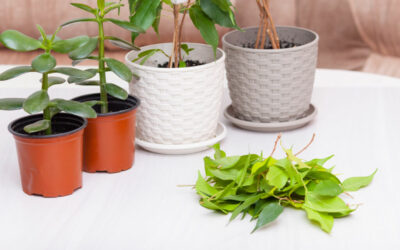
<point x="271" y="127"/>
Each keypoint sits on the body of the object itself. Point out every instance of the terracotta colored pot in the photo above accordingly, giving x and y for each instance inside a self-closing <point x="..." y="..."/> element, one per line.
<point x="109" y="139"/>
<point x="50" y="165"/>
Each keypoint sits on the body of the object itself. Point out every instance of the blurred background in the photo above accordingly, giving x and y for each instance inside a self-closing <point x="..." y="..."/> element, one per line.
<point x="359" y="35"/>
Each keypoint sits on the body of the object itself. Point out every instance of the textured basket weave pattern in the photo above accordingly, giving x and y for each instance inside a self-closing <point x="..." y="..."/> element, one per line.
<point x="178" y="106"/>
<point x="270" y="85"/>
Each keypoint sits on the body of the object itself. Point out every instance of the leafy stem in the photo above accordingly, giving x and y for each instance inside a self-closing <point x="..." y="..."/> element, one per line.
<point x="46" y="111"/>
<point x="102" y="72"/>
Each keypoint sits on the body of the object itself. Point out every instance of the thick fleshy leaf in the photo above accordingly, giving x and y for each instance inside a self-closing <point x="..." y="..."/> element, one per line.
<point x="85" y="50"/>
<point x="101" y="4"/>
<point x="205" y="25"/>
<point x="126" y="25"/>
<point x="79" y="20"/>
<point x="84" y="7"/>
<point x="44" y="63"/>
<point x="17" y="41"/>
<point x="120" y="69"/>
<point x="14" y="72"/>
<point x="11" y="103"/>
<point x="43" y="34"/>
<point x="121" y="43"/>
<point x="37" y="126"/>
<point x="83" y="74"/>
<point x="68" y="45"/>
<point x="36" y="102"/>
<point x="54" y="80"/>
<point x="270" y="212"/>
<point x="324" y="220"/>
<point x="219" y="16"/>
<point x="355" y="183"/>
<point x="76" y="108"/>
<point x="88" y="83"/>
<point x="116" y="91"/>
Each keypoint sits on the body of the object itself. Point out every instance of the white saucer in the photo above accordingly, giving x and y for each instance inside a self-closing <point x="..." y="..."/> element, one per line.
<point x="271" y="127"/>
<point x="184" y="148"/>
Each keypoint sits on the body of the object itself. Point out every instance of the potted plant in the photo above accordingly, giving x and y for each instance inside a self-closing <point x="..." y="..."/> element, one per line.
<point x="270" y="70"/>
<point x="180" y="84"/>
<point x="49" y="144"/>
<point x="109" y="139"/>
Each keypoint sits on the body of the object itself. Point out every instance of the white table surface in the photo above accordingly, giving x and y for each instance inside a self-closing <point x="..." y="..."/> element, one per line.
<point x="358" y="121"/>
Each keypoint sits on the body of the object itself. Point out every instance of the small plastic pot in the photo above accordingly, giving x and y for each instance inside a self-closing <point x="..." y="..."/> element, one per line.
<point x="109" y="139"/>
<point x="50" y="165"/>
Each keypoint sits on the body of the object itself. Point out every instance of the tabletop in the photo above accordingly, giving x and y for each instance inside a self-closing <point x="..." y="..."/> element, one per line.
<point x="144" y="208"/>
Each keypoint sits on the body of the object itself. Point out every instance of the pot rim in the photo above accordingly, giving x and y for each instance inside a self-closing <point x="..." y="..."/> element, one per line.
<point x="186" y="69"/>
<point x="28" y="136"/>
<point x="137" y="100"/>
<point x="271" y="51"/>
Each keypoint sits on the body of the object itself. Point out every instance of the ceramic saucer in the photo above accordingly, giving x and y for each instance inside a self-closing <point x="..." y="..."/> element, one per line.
<point x="184" y="148"/>
<point x="307" y="117"/>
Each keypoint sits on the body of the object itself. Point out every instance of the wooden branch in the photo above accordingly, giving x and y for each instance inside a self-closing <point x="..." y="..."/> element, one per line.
<point x="180" y="30"/>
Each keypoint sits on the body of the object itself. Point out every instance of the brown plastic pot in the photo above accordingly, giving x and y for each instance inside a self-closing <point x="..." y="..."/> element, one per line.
<point x="50" y="165"/>
<point x="109" y="139"/>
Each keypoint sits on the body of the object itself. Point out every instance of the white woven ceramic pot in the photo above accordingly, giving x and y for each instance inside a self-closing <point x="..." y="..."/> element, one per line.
<point x="268" y="85"/>
<point x="178" y="105"/>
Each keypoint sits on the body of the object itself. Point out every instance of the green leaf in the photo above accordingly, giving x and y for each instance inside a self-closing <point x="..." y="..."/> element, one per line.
<point x="44" y="63"/>
<point x="84" y="50"/>
<point x="277" y="177"/>
<point x="73" y="72"/>
<point x="120" y="69"/>
<point x="14" y="72"/>
<point x="328" y="188"/>
<point x="145" y="14"/>
<point x="324" y="220"/>
<point x="88" y="83"/>
<point x="11" y="103"/>
<point x="218" y="15"/>
<point x="270" y="212"/>
<point x="43" y="34"/>
<point x="116" y="91"/>
<point x="318" y="162"/>
<point x="66" y="46"/>
<point x="182" y="64"/>
<point x="325" y="204"/>
<point x="202" y="187"/>
<point x="93" y="103"/>
<point x="76" y="108"/>
<point x="36" y="102"/>
<point x="17" y="41"/>
<point x="37" y="126"/>
<point x="145" y="55"/>
<point x="156" y="22"/>
<point x="224" y="5"/>
<point x="121" y="43"/>
<point x="322" y="175"/>
<point x="101" y="4"/>
<point x="79" y="20"/>
<point x="186" y="48"/>
<point x="218" y="152"/>
<point x="248" y="202"/>
<point x="125" y="25"/>
<point x="54" y="80"/>
<point x="113" y="7"/>
<point x="84" y="7"/>
<point x="355" y="183"/>
<point x="205" y="25"/>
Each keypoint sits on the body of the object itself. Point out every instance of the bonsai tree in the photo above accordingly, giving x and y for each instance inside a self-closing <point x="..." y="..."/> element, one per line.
<point x="266" y="26"/>
<point x="105" y="64"/>
<point x="205" y="14"/>
<point x="44" y="64"/>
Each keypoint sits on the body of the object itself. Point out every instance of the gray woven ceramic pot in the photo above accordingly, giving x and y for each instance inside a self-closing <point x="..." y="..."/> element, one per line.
<point x="271" y="85"/>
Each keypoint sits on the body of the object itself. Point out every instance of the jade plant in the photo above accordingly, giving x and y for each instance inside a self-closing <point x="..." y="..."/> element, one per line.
<point x="45" y="64"/>
<point x="204" y="14"/>
<point x="85" y="52"/>
<point x="261" y="187"/>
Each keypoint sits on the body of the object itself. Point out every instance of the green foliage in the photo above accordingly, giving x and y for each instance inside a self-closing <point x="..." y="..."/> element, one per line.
<point x="120" y="69"/>
<point x="116" y="91"/>
<point x="262" y="187"/>
<point x="75" y="108"/>
<point x="45" y="64"/>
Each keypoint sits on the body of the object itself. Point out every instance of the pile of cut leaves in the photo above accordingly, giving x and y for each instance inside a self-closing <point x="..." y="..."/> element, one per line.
<point x="262" y="187"/>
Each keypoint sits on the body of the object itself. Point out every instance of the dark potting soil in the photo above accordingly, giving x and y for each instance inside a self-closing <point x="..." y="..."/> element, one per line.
<point x="189" y="63"/>
<point x="283" y="45"/>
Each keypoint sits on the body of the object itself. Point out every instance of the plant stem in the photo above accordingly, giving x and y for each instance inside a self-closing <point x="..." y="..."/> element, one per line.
<point x="180" y="30"/>
<point x="46" y="111"/>
<point x="102" y="71"/>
